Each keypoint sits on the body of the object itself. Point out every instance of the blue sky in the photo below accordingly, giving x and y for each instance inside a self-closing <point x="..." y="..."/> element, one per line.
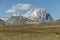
<point x="8" y="7"/>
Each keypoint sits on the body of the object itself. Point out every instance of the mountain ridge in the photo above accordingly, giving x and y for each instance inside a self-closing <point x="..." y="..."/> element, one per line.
<point x="34" y="15"/>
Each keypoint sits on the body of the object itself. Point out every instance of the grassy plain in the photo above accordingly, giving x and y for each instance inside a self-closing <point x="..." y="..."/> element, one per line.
<point x="45" y="31"/>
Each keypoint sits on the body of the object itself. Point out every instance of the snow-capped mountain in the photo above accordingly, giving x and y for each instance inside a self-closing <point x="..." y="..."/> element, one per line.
<point x="34" y="15"/>
<point x="38" y="15"/>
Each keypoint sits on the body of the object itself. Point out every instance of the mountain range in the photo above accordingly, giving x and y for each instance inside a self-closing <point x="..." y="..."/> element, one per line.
<point x="34" y="15"/>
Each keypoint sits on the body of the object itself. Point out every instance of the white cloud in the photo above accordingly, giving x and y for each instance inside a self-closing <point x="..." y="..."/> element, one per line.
<point x="18" y="7"/>
<point x="13" y="9"/>
<point x="25" y="6"/>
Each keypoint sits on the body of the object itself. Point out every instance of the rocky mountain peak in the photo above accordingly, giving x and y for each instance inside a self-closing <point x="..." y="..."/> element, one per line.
<point x="38" y="15"/>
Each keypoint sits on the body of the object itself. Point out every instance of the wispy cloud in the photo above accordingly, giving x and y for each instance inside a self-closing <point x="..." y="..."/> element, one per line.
<point x="19" y="6"/>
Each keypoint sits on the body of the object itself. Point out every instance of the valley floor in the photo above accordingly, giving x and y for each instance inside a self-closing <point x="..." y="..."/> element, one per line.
<point x="29" y="32"/>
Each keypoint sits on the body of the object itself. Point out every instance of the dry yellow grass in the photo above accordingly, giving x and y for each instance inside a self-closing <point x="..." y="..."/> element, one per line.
<point x="8" y="35"/>
<point x="46" y="31"/>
